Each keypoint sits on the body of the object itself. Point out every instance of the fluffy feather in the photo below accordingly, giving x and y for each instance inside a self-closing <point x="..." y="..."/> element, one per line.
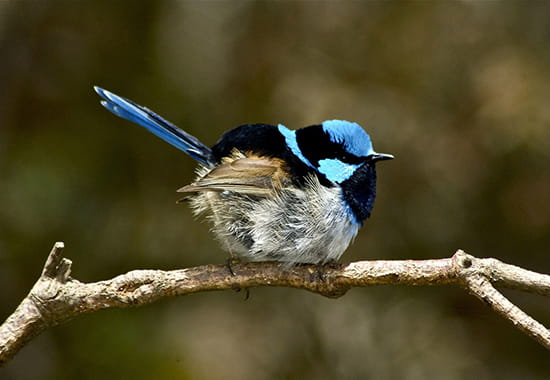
<point x="285" y="223"/>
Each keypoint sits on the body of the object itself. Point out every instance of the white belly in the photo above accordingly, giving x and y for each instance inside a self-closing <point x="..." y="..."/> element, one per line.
<point x="309" y="225"/>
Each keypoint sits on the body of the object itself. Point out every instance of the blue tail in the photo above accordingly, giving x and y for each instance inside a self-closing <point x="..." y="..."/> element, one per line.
<point x="154" y="123"/>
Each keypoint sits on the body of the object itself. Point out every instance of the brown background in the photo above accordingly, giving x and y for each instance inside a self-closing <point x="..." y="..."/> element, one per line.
<point x="458" y="91"/>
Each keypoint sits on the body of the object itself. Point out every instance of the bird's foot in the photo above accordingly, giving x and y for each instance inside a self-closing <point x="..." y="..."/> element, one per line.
<point x="231" y="261"/>
<point x="325" y="267"/>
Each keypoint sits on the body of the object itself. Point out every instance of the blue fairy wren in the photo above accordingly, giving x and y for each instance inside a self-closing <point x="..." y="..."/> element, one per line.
<point x="272" y="193"/>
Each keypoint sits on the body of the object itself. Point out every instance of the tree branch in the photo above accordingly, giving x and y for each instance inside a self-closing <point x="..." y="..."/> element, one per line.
<point x="56" y="297"/>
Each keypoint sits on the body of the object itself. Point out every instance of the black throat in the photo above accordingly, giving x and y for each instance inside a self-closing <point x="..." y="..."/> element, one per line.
<point x="360" y="190"/>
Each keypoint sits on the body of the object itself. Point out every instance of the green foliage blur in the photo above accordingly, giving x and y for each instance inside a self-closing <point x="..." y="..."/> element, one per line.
<point x="458" y="91"/>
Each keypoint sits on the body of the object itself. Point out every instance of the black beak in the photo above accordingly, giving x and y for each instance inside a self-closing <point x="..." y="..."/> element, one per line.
<point x="381" y="157"/>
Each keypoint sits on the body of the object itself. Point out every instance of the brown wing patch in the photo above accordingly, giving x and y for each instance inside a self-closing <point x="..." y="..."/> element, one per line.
<point x="252" y="175"/>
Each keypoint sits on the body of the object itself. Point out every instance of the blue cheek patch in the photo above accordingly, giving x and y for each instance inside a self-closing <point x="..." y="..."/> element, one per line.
<point x="292" y="143"/>
<point x="336" y="170"/>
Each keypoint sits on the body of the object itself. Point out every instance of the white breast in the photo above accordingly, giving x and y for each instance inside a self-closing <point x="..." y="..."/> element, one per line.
<point x="299" y="225"/>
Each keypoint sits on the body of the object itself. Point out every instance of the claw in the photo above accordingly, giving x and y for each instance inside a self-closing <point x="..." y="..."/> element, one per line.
<point x="232" y="260"/>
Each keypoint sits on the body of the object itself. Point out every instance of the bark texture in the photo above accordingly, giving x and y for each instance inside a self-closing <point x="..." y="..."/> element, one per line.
<point x="56" y="297"/>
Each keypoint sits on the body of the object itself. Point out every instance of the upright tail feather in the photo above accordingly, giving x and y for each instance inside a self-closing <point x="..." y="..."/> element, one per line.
<point x="155" y="124"/>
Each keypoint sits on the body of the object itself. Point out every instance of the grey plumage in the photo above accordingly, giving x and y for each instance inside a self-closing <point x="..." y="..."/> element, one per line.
<point x="269" y="221"/>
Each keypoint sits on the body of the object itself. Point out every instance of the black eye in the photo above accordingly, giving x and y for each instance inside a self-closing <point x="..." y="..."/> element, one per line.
<point x="351" y="159"/>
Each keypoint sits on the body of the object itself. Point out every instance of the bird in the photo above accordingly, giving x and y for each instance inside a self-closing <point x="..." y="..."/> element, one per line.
<point x="274" y="193"/>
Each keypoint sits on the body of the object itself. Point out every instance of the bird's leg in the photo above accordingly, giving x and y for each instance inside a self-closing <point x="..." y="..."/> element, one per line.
<point x="232" y="260"/>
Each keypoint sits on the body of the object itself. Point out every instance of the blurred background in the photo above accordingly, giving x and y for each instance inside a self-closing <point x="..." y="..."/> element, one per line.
<point x="458" y="91"/>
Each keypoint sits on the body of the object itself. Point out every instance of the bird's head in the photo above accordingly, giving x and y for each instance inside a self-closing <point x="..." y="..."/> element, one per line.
<point x="335" y="148"/>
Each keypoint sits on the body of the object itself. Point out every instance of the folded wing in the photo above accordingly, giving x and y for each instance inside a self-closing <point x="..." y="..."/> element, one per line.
<point x="255" y="176"/>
